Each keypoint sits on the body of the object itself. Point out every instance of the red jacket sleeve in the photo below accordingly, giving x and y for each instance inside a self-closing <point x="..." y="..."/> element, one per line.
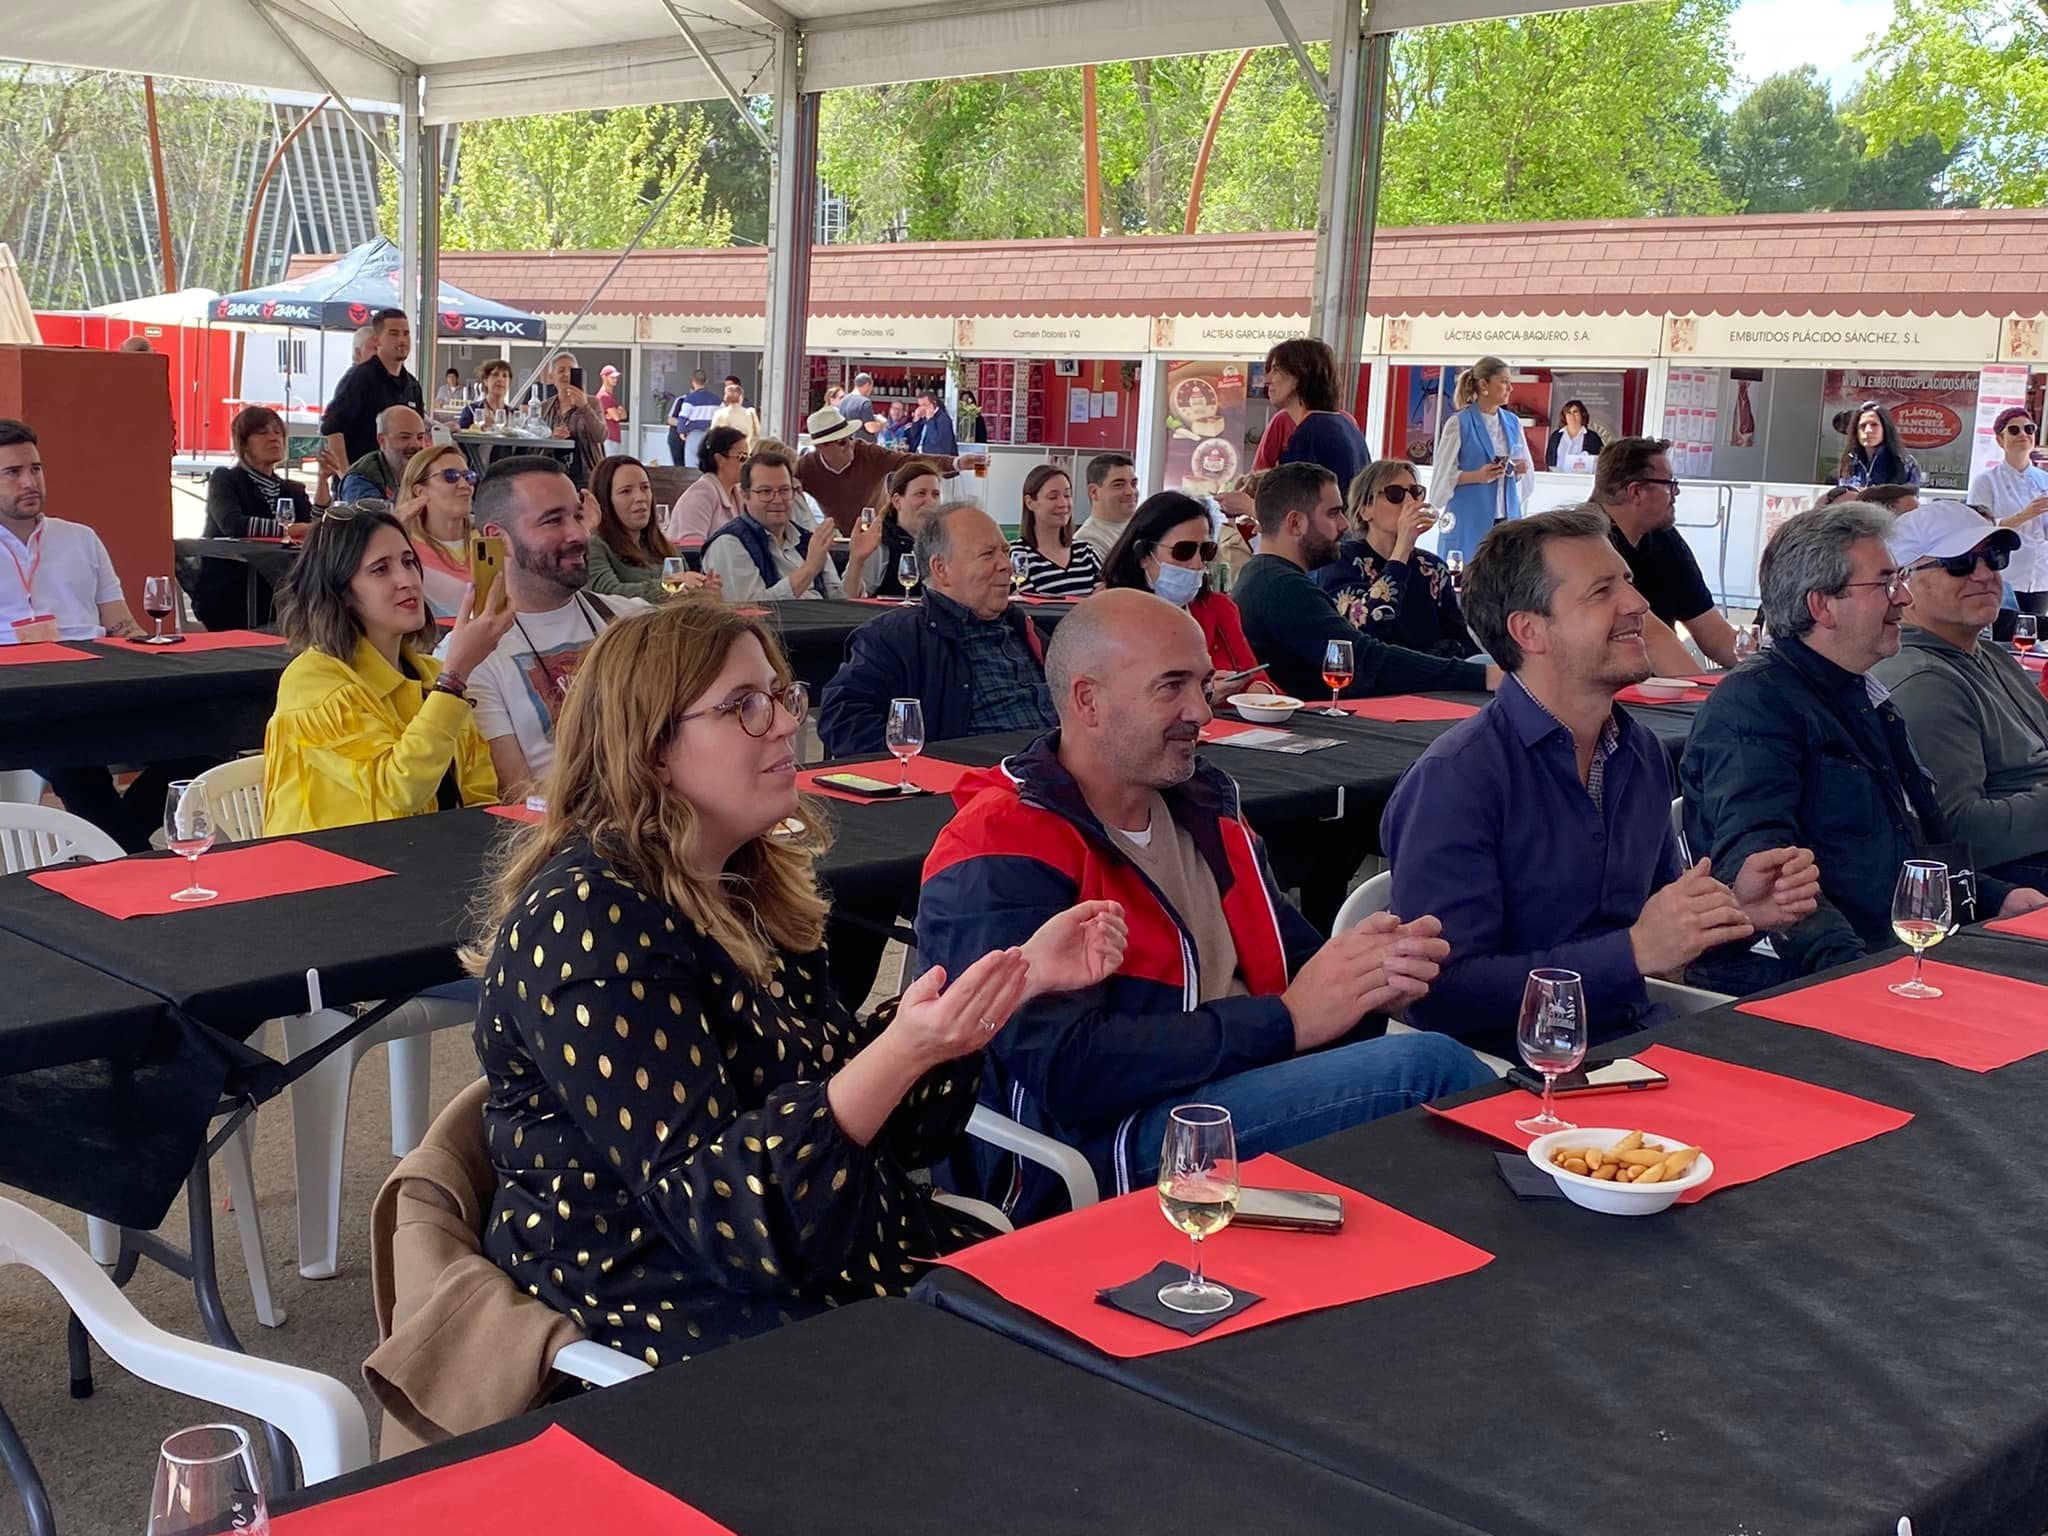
<point x="1229" y="651"/>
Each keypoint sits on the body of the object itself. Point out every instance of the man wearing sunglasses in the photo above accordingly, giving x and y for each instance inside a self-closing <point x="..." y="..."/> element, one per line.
<point x="2015" y="489"/>
<point x="1802" y="745"/>
<point x="1977" y="716"/>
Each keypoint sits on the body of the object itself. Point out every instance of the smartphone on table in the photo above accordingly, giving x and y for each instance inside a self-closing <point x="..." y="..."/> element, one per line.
<point x="1289" y="1210"/>
<point x="486" y="565"/>
<point x="1623" y="1075"/>
<point x="860" y="784"/>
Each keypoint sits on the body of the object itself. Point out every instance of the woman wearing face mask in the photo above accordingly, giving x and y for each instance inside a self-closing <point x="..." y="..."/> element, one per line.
<point x="368" y="726"/>
<point x="1383" y="584"/>
<point x="1166" y="550"/>
<point x="879" y="547"/>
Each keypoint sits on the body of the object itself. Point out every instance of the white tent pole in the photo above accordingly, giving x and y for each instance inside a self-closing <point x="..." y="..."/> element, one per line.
<point x="732" y="92"/>
<point x="340" y="101"/>
<point x="409" y="157"/>
<point x="1350" y="187"/>
<point x="792" y="202"/>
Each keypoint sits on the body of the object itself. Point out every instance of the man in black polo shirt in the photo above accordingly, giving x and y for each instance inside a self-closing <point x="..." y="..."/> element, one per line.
<point x="1634" y="486"/>
<point x="378" y="381"/>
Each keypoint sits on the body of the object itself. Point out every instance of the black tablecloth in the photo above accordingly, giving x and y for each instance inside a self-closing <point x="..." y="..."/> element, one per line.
<point x="888" y="1418"/>
<point x="136" y="704"/>
<point x="269" y="558"/>
<point x="1848" y="1341"/>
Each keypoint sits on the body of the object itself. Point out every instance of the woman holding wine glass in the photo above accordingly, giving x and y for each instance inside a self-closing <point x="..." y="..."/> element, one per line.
<point x="250" y="498"/>
<point x="368" y="726"/>
<point x="874" y="564"/>
<point x="629" y="553"/>
<point x="746" y="1140"/>
<point x="1384" y="585"/>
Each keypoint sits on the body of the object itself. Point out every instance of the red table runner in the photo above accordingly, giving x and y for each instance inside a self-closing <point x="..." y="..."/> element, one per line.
<point x="1637" y="696"/>
<point x="197" y="640"/>
<point x="40" y="651"/>
<point x="525" y="813"/>
<point x="2028" y="925"/>
<point x="1707" y="679"/>
<point x="1221" y="729"/>
<point x="1405" y="706"/>
<point x="553" y="1483"/>
<point x="142" y="887"/>
<point x="1054" y="1268"/>
<point x="1980" y="1022"/>
<point x="932" y="773"/>
<point x="1751" y="1123"/>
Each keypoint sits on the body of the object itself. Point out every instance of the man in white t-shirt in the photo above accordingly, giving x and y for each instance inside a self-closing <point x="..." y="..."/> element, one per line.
<point x="518" y="691"/>
<point x="57" y="582"/>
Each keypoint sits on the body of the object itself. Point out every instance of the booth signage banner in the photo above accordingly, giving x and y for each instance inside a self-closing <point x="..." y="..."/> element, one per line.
<point x="704" y="333"/>
<point x="1999" y="387"/>
<point x="1205" y="425"/>
<point x="1849" y="341"/>
<point x="1246" y="336"/>
<point x="1933" y="412"/>
<point x="1051" y="335"/>
<point x="915" y="336"/>
<point x="1523" y="339"/>
<point x="593" y="330"/>
<point x="2023" y="339"/>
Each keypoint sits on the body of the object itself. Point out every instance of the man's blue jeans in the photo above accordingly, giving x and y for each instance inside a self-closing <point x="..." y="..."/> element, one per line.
<point x="1291" y="1102"/>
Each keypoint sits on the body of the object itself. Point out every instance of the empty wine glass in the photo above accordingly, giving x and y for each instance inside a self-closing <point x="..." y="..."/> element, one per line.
<point x="206" y="1482"/>
<point x="1337" y="668"/>
<point x="906" y="575"/>
<point x="1749" y="639"/>
<point x="904" y="735"/>
<point x="1922" y="909"/>
<point x="189" y="832"/>
<point x="661" y="515"/>
<point x="1198" y="1192"/>
<point x="1551" y="1036"/>
<point x="1446" y="521"/>
<point x="158" y="601"/>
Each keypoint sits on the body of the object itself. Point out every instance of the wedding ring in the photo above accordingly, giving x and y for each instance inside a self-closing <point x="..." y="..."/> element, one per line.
<point x="988" y="1026"/>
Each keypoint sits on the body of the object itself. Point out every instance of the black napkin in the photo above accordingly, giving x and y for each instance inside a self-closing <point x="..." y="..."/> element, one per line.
<point x="1527" y="1180"/>
<point x="1140" y="1298"/>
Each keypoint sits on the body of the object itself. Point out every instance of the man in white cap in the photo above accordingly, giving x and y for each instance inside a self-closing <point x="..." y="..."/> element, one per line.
<point x="614" y="415"/>
<point x="1977" y="716"/>
<point x="844" y="468"/>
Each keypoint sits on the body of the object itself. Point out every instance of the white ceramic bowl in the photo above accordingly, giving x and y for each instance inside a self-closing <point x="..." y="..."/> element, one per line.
<point x="1665" y="687"/>
<point x="1265" y="708"/>
<point x="1605" y="1195"/>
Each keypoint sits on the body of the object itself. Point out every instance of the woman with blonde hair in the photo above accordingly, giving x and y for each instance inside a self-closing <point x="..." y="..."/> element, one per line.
<point x="368" y="726"/>
<point x="1383" y="584"/>
<point x="1482" y="472"/>
<point x="694" y="1138"/>
<point x="433" y="508"/>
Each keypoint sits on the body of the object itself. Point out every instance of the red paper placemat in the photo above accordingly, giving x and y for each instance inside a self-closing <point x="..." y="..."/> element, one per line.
<point x="1707" y="679"/>
<point x="197" y="640"/>
<point x="525" y="813"/>
<point x="932" y="773"/>
<point x="1751" y="1123"/>
<point x="1220" y="729"/>
<point x="553" y="1483"/>
<point x="1403" y="706"/>
<point x="2029" y="925"/>
<point x="142" y="887"/>
<point x="1981" y="1021"/>
<point x="41" y="650"/>
<point x="1054" y="1268"/>
<point x="1637" y="696"/>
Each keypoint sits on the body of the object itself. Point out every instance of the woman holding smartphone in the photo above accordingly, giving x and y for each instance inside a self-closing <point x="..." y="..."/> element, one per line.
<point x="1482" y="472"/>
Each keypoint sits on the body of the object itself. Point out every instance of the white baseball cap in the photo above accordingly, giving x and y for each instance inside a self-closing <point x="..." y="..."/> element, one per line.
<point x="1941" y="530"/>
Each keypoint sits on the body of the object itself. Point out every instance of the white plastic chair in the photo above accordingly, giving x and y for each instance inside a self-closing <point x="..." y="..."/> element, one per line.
<point x="1377" y="895"/>
<point x="234" y="793"/>
<point x="319" y="1415"/>
<point x="598" y="1364"/>
<point x="36" y="837"/>
<point x="21" y="786"/>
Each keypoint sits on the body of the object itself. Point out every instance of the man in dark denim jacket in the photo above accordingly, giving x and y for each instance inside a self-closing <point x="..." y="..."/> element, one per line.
<point x="1800" y="745"/>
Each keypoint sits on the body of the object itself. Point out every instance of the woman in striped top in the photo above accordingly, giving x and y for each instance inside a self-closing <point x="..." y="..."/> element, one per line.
<point x="2016" y="491"/>
<point x="1054" y="565"/>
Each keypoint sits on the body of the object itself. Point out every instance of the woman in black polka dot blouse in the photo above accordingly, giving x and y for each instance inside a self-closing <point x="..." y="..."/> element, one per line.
<point x="695" y="1139"/>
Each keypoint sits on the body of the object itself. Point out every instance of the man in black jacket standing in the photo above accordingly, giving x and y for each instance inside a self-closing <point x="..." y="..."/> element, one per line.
<point x="974" y="662"/>
<point x="1289" y="620"/>
<point x="367" y="390"/>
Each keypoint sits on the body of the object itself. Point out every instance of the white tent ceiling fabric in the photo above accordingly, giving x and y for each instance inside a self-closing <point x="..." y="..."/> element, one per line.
<point x="514" y="57"/>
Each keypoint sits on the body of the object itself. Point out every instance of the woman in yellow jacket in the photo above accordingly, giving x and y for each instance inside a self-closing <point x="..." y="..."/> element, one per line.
<point x="368" y="726"/>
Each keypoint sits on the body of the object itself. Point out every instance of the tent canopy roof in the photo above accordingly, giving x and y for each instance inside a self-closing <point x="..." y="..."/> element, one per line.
<point x="514" y="57"/>
<point x="343" y="293"/>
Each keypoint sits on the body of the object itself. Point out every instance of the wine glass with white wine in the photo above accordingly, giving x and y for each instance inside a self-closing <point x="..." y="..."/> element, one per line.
<point x="673" y="571"/>
<point x="1198" y="1192"/>
<point x="1922" y="910"/>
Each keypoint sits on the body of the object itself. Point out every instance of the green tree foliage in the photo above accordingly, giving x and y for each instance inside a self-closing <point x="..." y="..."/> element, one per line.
<point x="1786" y="151"/>
<point x="1582" y="114"/>
<point x="1972" y="74"/>
<point x="575" y="181"/>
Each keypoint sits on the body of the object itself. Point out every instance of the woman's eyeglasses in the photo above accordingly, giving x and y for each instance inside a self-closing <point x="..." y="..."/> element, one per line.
<point x="756" y="708"/>
<point x="458" y="477"/>
<point x="1398" y="494"/>
<point x="1187" y="549"/>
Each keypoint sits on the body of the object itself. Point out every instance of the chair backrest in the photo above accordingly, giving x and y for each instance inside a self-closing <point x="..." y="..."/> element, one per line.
<point x="1376" y="895"/>
<point x="318" y="1414"/>
<point x="234" y="794"/>
<point x="37" y="836"/>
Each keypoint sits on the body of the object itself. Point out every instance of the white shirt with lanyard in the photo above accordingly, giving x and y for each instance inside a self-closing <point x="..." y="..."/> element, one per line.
<point x="52" y="583"/>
